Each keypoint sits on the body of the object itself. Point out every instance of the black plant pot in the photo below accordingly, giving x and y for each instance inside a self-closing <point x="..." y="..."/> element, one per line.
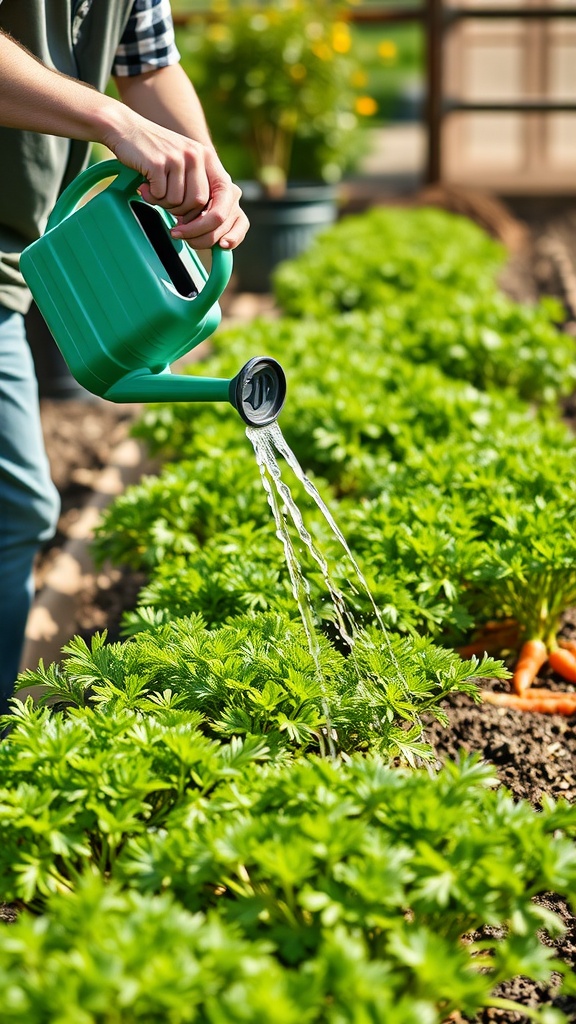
<point x="280" y="229"/>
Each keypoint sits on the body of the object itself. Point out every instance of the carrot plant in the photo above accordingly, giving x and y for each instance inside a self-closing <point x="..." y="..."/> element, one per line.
<point x="180" y="509"/>
<point x="255" y="676"/>
<point x="177" y="876"/>
<point x="385" y="255"/>
<point x="412" y="864"/>
<point x="429" y="281"/>
<point x="107" y="955"/>
<point x="531" y="564"/>
<point x="353" y="399"/>
<point x="74" y="788"/>
<point x="493" y="520"/>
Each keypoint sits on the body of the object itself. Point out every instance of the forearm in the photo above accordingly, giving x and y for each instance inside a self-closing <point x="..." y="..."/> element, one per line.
<point x="35" y="98"/>
<point x="167" y="97"/>
<point x="160" y="131"/>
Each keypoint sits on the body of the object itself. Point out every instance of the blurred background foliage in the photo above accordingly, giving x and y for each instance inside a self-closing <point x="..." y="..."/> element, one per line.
<point x="372" y="75"/>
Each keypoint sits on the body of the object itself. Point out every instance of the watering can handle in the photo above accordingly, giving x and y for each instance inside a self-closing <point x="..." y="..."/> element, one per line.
<point x="127" y="181"/>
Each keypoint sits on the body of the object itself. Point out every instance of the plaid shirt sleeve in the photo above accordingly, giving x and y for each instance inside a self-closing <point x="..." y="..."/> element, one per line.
<point x="148" y="41"/>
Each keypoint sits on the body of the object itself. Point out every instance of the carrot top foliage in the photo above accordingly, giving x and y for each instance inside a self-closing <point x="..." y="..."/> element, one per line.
<point x="216" y="823"/>
<point x="325" y="886"/>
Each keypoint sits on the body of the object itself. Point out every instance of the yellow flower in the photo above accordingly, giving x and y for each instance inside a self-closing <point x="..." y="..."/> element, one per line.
<point x="341" y="41"/>
<point x="358" y="79"/>
<point x="297" y="72"/>
<point x="388" y="50"/>
<point x="322" y="51"/>
<point x="365" y="106"/>
<point x="217" y="32"/>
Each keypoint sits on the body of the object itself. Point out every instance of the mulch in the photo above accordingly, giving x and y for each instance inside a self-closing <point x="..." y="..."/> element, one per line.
<point x="534" y="754"/>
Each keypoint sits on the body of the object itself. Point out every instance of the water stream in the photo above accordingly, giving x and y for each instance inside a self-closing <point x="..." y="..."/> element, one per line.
<point x="267" y="442"/>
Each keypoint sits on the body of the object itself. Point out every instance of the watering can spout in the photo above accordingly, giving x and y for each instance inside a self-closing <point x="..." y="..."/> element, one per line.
<point x="257" y="392"/>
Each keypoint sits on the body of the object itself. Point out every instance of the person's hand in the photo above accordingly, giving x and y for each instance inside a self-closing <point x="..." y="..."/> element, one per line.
<point x="222" y="220"/>
<point x="187" y="179"/>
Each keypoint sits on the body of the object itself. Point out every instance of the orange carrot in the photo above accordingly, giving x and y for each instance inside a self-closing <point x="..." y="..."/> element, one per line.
<point x="563" y="662"/>
<point x="533" y="654"/>
<point x="491" y="640"/>
<point x="568" y="645"/>
<point x="550" y="704"/>
<point x="498" y="624"/>
<point x="538" y="693"/>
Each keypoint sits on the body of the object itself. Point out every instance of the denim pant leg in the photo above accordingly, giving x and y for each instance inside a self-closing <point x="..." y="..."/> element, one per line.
<point x="29" y="502"/>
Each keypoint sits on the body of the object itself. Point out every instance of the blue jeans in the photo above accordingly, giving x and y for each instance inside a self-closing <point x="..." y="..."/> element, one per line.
<point x="29" y="502"/>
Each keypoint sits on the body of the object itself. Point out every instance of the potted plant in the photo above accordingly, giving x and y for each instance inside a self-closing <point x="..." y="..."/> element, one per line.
<point x="280" y="86"/>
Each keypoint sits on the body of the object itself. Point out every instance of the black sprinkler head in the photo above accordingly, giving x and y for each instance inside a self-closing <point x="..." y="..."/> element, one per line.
<point x="259" y="390"/>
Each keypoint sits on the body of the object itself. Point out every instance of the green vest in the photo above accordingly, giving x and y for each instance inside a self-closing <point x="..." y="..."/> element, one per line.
<point x="34" y="168"/>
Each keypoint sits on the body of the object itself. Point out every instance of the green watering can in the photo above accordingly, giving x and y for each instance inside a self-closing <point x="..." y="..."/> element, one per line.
<point x="124" y="300"/>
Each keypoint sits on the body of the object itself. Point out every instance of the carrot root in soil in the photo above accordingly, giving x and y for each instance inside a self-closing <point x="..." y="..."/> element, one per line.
<point x="533" y="654"/>
<point x="563" y="661"/>
<point x="540" y="701"/>
<point x="568" y="645"/>
<point x="491" y="641"/>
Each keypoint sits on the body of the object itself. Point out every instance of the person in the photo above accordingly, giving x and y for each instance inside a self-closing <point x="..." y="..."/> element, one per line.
<point x="56" y="59"/>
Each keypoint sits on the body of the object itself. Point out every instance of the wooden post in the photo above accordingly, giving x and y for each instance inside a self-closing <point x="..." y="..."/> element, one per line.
<point x="434" y="40"/>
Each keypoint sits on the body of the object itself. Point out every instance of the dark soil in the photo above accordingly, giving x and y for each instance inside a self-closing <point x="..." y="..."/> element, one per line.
<point x="534" y="754"/>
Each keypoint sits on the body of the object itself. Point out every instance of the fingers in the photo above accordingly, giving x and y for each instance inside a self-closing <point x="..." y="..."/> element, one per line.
<point x="178" y="184"/>
<point x="223" y="222"/>
<point x="207" y="230"/>
<point x="204" y="221"/>
<point x="187" y="179"/>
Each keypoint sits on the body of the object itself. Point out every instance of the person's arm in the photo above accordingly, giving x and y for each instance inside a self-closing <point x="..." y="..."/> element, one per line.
<point x="167" y="97"/>
<point x="36" y="98"/>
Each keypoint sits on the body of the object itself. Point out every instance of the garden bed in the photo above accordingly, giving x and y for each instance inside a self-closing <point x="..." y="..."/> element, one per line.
<point x="534" y="754"/>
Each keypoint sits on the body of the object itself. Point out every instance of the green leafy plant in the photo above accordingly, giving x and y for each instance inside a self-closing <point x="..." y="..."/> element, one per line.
<point x="386" y="256"/>
<point x="429" y="280"/>
<point x="476" y="532"/>
<point x="178" y="511"/>
<point x="256" y="676"/>
<point x="235" y="572"/>
<point x="277" y="83"/>
<point x="74" y="788"/>
<point x="325" y="876"/>
<point x="410" y="864"/>
<point x="101" y="954"/>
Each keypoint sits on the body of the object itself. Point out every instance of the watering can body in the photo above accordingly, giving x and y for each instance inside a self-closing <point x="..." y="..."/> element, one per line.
<point x="124" y="300"/>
